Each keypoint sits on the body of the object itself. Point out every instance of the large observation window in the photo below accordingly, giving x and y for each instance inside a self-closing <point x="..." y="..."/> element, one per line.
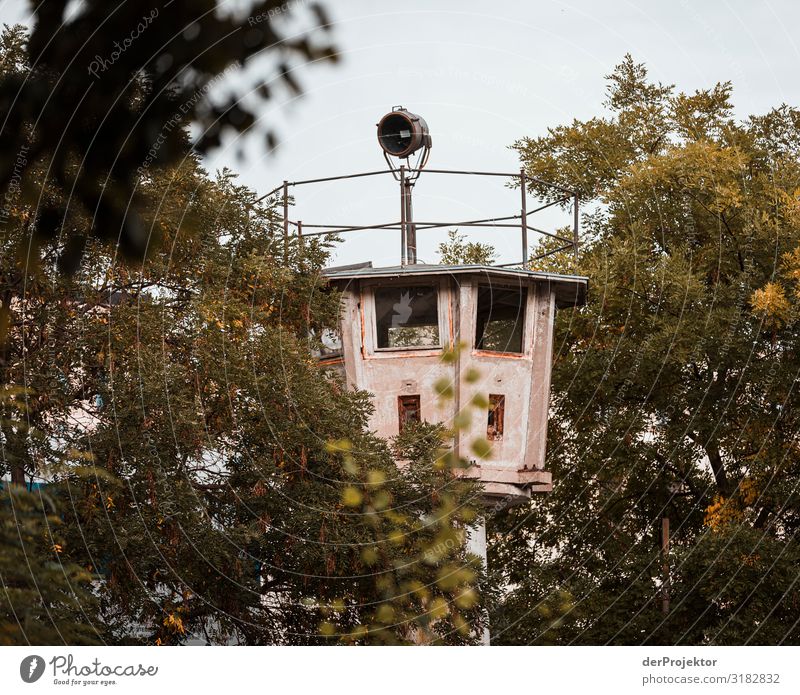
<point x="500" y="319"/>
<point x="407" y="317"/>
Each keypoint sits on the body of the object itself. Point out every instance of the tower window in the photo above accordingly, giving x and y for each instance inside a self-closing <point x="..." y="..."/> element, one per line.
<point x="500" y="318"/>
<point x="497" y="416"/>
<point x="407" y="317"/>
<point x="408" y="409"/>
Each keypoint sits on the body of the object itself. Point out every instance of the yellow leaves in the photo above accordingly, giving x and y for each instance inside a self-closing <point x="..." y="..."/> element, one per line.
<point x="721" y="513"/>
<point x="451" y="577"/>
<point x="397" y="537"/>
<point x="438" y="608"/>
<point x="481" y="448"/>
<point x="359" y="632"/>
<point x="450" y="356"/>
<point x="748" y="491"/>
<point x="462" y="420"/>
<point x="369" y="556"/>
<point x="351" y="496"/>
<point x="78" y="455"/>
<point x="467" y="598"/>
<point x="444" y="388"/>
<point x="376" y="477"/>
<point x="724" y="512"/>
<point x="480" y="401"/>
<point x="791" y="268"/>
<point x="338" y="446"/>
<point x="344" y="448"/>
<point x="327" y="629"/>
<point x="381" y="500"/>
<point x="174" y="623"/>
<point x="771" y="303"/>
<point x="385" y="614"/>
<point x="472" y="375"/>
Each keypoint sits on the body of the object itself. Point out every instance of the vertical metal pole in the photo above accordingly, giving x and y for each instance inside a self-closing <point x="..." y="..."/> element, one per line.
<point x="665" y="567"/>
<point x="286" y="220"/>
<point x="575" y="225"/>
<point x="402" y="214"/>
<point x="524" y="212"/>
<point x="411" y="229"/>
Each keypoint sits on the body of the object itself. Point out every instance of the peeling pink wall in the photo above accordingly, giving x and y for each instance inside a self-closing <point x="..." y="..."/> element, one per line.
<point x="516" y="465"/>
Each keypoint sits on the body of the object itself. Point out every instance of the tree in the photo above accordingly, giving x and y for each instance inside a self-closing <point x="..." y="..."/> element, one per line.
<point x="95" y="95"/>
<point x="214" y="484"/>
<point x="44" y="599"/>
<point x="458" y="251"/>
<point x="674" y="388"/>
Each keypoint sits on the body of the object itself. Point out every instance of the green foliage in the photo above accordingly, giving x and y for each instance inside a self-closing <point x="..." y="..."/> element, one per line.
<point x="674" y="387"/>
<point x="428" y="586"/>
<point x="44" y="599"/>
<point x="184" y="426"/>
<point x="458" y="251"/>
<point x="100" y="98"/>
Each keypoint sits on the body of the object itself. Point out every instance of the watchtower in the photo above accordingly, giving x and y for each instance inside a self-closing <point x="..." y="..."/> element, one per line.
<point x="396" y="322"/>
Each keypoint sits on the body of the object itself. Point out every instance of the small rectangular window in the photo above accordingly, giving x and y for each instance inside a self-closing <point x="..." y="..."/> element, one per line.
<point x="407" y="317"/>
<point x="500" y="318"/>
<point x="408" y="409"/>
<point x="497" y="416"/>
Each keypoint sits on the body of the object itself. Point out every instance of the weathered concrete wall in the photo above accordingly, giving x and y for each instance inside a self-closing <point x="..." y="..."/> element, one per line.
<point x="524" y="379"/>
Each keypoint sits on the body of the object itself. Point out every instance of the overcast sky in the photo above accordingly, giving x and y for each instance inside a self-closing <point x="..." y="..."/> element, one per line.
<point x="483" y="75"/>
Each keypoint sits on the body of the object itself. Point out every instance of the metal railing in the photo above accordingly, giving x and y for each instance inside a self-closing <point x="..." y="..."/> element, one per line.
<point x="408" y="227"/>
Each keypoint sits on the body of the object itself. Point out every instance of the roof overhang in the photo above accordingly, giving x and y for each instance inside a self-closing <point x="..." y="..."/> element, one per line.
<point x="570" y="290"/>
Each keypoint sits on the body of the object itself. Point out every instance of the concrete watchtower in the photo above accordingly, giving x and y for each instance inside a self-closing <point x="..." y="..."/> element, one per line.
<point x="397" y="321"/>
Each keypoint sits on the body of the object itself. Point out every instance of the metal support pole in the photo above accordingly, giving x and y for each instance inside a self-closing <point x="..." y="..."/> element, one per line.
<point x="286" y="220"/>
<point x="402" y="214"/>
<point x="524" y="212"/>
<point x="575" y="225"/>
<point x="411" y="229"/>
<point x="665" y="560"/>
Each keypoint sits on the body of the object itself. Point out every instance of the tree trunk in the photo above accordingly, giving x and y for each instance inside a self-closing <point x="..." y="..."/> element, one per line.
<point x="718" y="468"/>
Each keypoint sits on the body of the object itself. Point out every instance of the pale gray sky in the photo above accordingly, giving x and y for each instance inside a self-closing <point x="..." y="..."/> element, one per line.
<point x="483" y="75"/>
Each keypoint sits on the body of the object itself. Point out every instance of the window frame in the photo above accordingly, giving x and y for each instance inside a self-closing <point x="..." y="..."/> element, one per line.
<point x="525" y="291"/>
<point x="497" y="404"/>
<point x="370" y="316"/>
<point x="402" y="409"/>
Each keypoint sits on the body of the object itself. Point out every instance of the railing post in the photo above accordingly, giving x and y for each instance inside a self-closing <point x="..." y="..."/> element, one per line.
<point x="285" y="221"/>
<point x="524" y="213"/>
<point x="575" y="224"/>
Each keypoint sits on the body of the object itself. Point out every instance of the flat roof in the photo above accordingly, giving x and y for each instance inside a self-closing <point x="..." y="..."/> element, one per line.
<point x="570" y="289"/>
